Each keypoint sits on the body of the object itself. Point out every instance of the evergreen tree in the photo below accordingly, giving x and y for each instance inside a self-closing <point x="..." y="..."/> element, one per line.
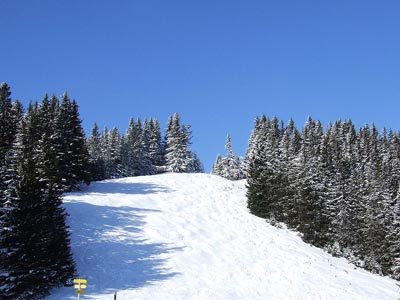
<point x="10" y="118"/>
<point x="196" y="166"/>
<point x="7" y="121"/>
<point x="70" y="141"/>
<point x="216" y="168"/>
<point x="232" y="162"/>
<point x="177" y="140"/>
<point x="155" y="147"/>
<point x="135" y="158"/>
<point x="96" y="158"/>
<point x="35" y="245"/>
<point x="114" y="164"/>
<point x="263" y="176"/>
<point x="229" y="167"/>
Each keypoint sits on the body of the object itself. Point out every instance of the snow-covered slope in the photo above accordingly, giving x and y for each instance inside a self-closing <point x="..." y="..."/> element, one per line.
<point x="190" y="236"/>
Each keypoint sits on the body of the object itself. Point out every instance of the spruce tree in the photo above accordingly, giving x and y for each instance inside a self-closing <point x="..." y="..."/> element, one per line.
<point x="229" y="167"/>
<point x="115" y="165"/>
<point x="35" y="244"/>
<point x="70" y="141"/>
<point x="10" y="118"/>
<point x="177" y="140"/>
<point x="196" y="166"/>
<point x="96" y="159"/>
<point x="155" y="146"/>
<point x="216" y="168"/>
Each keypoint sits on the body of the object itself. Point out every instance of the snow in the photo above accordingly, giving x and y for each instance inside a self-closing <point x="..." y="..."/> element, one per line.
<point x="190" y="236"/>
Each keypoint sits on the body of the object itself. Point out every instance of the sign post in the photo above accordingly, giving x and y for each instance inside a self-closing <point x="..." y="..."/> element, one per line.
<point x="80" y="285"/>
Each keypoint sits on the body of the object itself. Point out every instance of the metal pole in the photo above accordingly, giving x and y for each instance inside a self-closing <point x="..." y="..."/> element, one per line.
<point x="79" y="288"/>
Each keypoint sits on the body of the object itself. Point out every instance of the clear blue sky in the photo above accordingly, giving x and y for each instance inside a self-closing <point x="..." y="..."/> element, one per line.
<point x="218" y="63"/>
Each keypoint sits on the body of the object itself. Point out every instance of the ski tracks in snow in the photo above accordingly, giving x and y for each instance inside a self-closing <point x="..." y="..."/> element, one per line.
<point x="190" y="236"/>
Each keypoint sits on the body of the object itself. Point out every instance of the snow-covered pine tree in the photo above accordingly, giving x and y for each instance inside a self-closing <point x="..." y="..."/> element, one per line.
<point x="10" y="117"/>
<point x="263" y="178"/>
<point x="155" y="147"/>
<point x="216" y="168"/>
<point x="393" y="237"/>
<point x="73" y="158"/>
<point x="134" y="153"/>
<point x="114" y="160"/>
<point x="229" y="167"/>
<point x="177" y="140"/>
<point x="233" y="170"/>
<point x="55" y="233"/>
<point x="7" y="121"/>
<point x="35" y="252"/>
<point x="146" y="167"/>
<point x="289" y="147"/>
<point x="105" y="150"/>
<point x="312" y="219"/>
<point x="96" y="158"/>
<point x="196" y="166"/>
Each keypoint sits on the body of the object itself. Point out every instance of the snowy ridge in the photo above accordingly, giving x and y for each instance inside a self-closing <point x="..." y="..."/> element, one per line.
<point x="190" y="236"/>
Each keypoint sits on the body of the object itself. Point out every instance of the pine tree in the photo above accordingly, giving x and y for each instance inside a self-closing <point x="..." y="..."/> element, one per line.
<point x="96" y="159"/>
<point x="177" y="140"/>
<point x="216" y="168"/>
<point x="229" y="167"/>
<point x="70" y="140"/>
<point x="114" y="164"/>
<point x="196" y="166"/>
<point x="135" y="157"/>
<point x="155" y="147"/>
<point x="7" y="124"/>
<point x="265" y="182"/>
<point x="35" y="244"/>
<point x="10" y="118"/>
<point x="233" y="169"/>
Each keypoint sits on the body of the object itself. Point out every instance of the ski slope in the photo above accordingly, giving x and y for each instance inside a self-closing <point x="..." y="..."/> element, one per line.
<point x="190" y="236"/>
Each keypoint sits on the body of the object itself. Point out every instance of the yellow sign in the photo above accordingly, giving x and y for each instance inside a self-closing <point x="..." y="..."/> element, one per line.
<point x="80" y="286"/>
<point x="80" y="281"/>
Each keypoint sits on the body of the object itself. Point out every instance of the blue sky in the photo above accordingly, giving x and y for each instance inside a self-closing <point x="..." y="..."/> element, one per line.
<point x="218" y="64"/>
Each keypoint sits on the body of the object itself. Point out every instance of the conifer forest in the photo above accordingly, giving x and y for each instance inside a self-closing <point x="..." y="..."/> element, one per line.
<point x="339" y="188"/>
<point x="44" y="153"/>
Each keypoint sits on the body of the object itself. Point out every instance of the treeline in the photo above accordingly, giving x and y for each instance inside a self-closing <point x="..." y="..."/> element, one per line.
<point x="339" y="187"/>
<point x="141" y="150"/>
<point x="42" y="155"/>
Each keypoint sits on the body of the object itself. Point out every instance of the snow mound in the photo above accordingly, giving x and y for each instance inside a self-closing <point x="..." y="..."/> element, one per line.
<point x="190" y="236"/>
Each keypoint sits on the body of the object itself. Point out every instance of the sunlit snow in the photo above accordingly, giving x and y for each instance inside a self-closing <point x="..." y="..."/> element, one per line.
<point x="190" y="236"/>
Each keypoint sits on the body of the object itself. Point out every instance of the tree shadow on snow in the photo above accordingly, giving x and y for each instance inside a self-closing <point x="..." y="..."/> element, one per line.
<point x="120" y="187"/>
<point x="110" y="250"/>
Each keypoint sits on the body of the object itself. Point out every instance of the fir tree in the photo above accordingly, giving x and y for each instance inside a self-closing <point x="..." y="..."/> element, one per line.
<point x="196" y="166"/>
<point x="216" y="168"/>
<point x="177" y="140"/>
<point x="70" y="141"/>
<point x="229" y="167"/>
<point x="96" y="158"/>
<point x="155" y="146"/>
<point x="35" y="244"/>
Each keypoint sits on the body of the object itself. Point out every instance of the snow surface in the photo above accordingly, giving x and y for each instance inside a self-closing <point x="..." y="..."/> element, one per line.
<point x="190" y="236"/>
